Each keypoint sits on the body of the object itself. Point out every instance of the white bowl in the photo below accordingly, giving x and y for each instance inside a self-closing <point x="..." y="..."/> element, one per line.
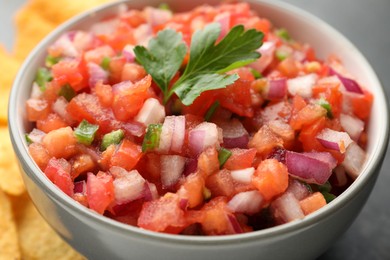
<point x="98" y="237"/>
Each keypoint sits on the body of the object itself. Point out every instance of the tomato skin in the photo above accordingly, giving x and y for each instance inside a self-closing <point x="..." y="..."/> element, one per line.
<point x="40" y="155"/>
<point x="127" y="155"/>
<point x="60" y="143"/>
<point x="50" y="123"/>
<point x="362" y="104"/>
<point x="240" y="159"/>
<point x="73" y="72"/>
<point x="100" y="191"/>
<point x="201" y="104"/>
<point x="58" y="171"/>
<point x="192" y="190"/>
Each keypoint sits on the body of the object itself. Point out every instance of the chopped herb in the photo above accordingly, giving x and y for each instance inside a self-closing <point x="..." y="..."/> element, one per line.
<point x="43" y="76"/>
<point x="28" y="139"/>
<point x="211" y="111"/>
<point x="256" y="74"/>
<point x="326" y="187"/>
<point x="207" y="60"/>
<point x="105" y="64"/>
<point x="67" y="92"/>
<point x="325" y="104"/>
<point x="85" y="132"/>
<point x="152" y="137"/>
<point x="50" y="60"/>
<point x="165" y="7"/>
<point x="283" y="33"/>
<point x="115" y="137"/>
<point x="328" y="196"/>
<point x="223" y="156"/>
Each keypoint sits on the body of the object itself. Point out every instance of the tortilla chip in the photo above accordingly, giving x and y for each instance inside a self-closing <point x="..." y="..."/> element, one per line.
<point x="9" y="246"/>
<point x="11" y="66"/>
<point x="39" y="17"/>
<point x="11" y="181"/>
<point x="38" y="240"/>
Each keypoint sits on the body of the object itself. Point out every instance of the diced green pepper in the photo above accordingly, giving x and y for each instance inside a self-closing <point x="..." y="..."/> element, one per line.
<point x="328" y="196"/>
<point x="325" y="104"/>
<point x="283" y="33"/>
<point x="43" y="76"/>
<point x="223" y="156"/>
<point x="67" y="92"/>
<point x="281" y="54"/>
<point x="28" y="139"/>
<point x="152" y="137"/>
<point x="211" y="111"/>
<point x="105" y="64"/>
<point x="85" y="132"/>
<point x="256" y="74"/>
<point x="50" y="60"/>
<point x="326" y="187"/>
<point x="115" y="137"/>
<point x="164" y="6"/>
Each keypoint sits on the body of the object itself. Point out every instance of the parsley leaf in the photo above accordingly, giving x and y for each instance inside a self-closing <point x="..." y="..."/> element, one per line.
<point x="207" y="61"/>
<point x="163" y="57"/>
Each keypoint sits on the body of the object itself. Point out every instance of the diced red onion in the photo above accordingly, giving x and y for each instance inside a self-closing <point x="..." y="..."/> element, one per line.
<point x="80" y="187"/>
<point x="349" y="84"/>
<point x="36" y="135"/>
<point x="324" y="157"/>
<point x="36" y="92"/>
<point x="352" y="125"/>
<point x="267" y="55"/>
<point x="243" y="176"/>
<point x="302" y="85"/>
<point x="65" y="45"/>
<point x="133" y="128"/>
<point x="104" y="27"/>
<point x="234" y="134"/>
<point x="143" y="34"/>
<point x="191" y="166"/>
<point x="277" y="89"/>
<point x="334" y="140"/>
<point x="178" y="134"/>
<point x="286" y="208"/>
<point x="166" y="134"/>
<point x="152" y="112"/>
<point x="202" y="136"/>
<point x="128" y="186"/>
<point x="298" y="189"/>
<point x="59" y="107"/>
<point x="248" y="202"/>
<point x="309" y="169"/>
<point x="172" y="167"/>
<point x="236" y="228"/>
<point x="183" y="203"/>
<point x="340" y="176"/>
<point x="122" y="86"/>
<point x="354" y="160"/>
<point x="96" y="74"/>
<point x="128" y="53"/>
<point x="224" y="20"/>
<point x="83" y="41"/>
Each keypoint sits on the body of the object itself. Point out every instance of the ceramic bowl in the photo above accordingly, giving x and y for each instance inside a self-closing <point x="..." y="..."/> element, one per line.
<point x="98" y="237"/>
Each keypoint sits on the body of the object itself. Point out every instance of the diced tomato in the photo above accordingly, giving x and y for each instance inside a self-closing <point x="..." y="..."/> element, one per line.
<point x="362" y="104"/>
<point x="192" y="190"/>
<point x="100" y="191"/>
<point x="158" y="215"/>
<point x="123" y="35"/>
<point x="240" y="159"/>
<point x="307" y="115"/>
<point x="98" y="54"/>
<point x="270" y="178"/>
<point x="81" y="164"/>
<point x="116" y="68"/>
<point x="201" y="104"/>
<point x="127" y="103"/>
<point x="73" y="72"/>
<point x="134" y="18"/>
<point x="332" y="94"/>
<point x="312" y="203"/>
<point x="40" y="155"/>
<point x="60" y="143"/>
<point x="308" y="134"/>
<point x="58" y="171"/>
<point x="288" y="68"/>
<point x="104" y="94"/>
<point x="208" y="162"/>
<point x="37" y="109"/>
<point x="127" y="155"/>
<point x="221" y="184"/>
<point x="264" y="141"/>
<point x="237" y="98"/>
<point x="133" y="72"/>
<point x="50" y="123"/>
<point x="244" y="73"/>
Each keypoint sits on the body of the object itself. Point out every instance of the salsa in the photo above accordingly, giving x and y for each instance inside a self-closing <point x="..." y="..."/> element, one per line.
<point x="206" y="122"/>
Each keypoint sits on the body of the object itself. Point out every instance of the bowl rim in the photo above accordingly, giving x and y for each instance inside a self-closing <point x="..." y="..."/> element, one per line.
<point x="33" y="171"/>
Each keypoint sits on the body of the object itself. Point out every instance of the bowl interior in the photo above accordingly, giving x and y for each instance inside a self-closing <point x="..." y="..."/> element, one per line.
<point x="301" y="25"/>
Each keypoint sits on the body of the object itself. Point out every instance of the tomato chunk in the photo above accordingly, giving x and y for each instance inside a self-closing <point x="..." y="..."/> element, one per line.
<point x="100" y="191"/>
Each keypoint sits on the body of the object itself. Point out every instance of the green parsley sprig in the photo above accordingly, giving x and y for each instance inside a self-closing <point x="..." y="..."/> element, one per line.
<point x="207" y="61"/>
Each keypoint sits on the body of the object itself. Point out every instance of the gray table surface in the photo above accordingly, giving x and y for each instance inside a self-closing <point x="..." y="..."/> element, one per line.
<point x="367" y="25"/>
